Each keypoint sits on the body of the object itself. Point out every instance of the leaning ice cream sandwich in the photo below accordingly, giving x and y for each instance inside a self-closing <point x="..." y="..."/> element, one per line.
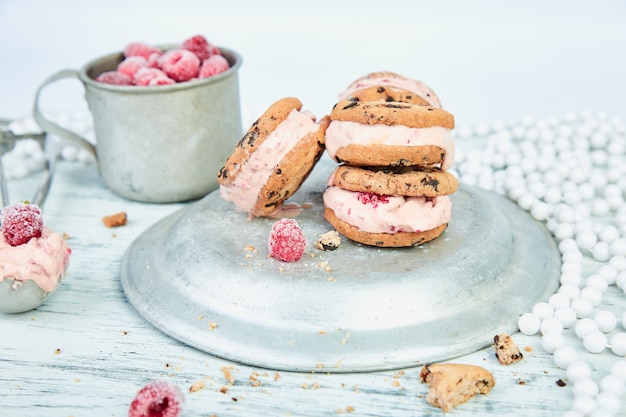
<point x="389" y="86"/>
<point x="273" y="158"/>
<point x="390" y="134"/>
<point x="391" y="207"/>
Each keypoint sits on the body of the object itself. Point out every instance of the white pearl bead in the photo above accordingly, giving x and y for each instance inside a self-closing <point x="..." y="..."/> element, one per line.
<point x="595" y="341"/>
<point x="585" y="387"/>
<point x="582" y="306"/>
<point x="586" y="191"/>
<point x="552" y="341"/>
<point x="619" y="369"/>
<point x="609" y="403"/>
<point x="601" y="252"/>
<point x="585" y="326"/>
<point x="597" y="281"/>
<point x="529" y="324"/>
<point x="612" y="384"/>
<point x="620" y="280"/>
<point x="526" y="201"/>
<point x="592" y="294"/>
<point x="568" y="244"/>
<point x="572" y="256"/>
<point x="618" y="261"/>
<point x="566" y="315"/>
<point x="578" y="370"/>
<point x="584" y="405"/>
<point x="551" y="324"/>
<point x="571" y="291"/>
<point x="564" y="355"/>
<point x="563" y="231"/>
<point x="605" y="320"/>
<point x="618" y="344"/>
<point x="540" y="210"/>
<point x="586" y="239"/>
<point x="572" y="266"/>
<point x="571" y="278"/>
<point x="600" y="207"/>
<point x="624" y="320"/>
<point x="543" y="310"/>
<point x="609" y="233"/>
<point x="558" y="300"/>
<point x="609" y="272"/>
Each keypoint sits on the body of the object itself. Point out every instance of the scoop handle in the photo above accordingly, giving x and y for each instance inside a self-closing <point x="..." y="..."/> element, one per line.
<point x="51" y="127"/>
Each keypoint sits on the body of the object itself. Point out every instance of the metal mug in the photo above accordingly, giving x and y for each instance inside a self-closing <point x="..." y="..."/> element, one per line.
<point x="156" y="144"/>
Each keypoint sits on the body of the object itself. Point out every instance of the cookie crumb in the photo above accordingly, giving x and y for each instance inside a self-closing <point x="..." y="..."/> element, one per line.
<point x="115" y="220"/>
<point x="507" y="352"/>
<point x="197" y="386"/>
<point x="212" y="325"/>
<point x="223" y="389"/>
<point x="328" y="241"/>
<point x="57" y="351"/>
<point x="561" y="383"/>
<point x="452" y="384"/>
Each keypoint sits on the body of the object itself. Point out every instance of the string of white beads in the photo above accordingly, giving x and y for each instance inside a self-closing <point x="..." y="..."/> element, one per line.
<point x="569" y="173"/>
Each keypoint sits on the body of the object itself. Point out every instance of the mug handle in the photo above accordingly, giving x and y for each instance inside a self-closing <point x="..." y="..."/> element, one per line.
<point x="51" y="127"/>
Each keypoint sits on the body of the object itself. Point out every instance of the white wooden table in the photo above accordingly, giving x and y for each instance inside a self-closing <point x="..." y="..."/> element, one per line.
<point x="86" y="352"/>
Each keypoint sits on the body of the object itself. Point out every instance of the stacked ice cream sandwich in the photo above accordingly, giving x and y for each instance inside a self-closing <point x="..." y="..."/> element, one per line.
<point x="394" y="145"/>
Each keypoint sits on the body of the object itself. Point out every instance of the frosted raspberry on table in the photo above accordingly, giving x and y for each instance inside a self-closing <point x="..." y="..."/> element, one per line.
<point x="114" y="78"/>
<point x="130" y="65"/>
<point x="151" y="77"/>
<point x="21" y="223"/>
<point x="140" y="49"/>
<point x="286" y="241"/>
<point x="200" y="47"/>
<point x="180" y="64"/>
<point x="159" y="398"/>
<point x="214" y="65"/>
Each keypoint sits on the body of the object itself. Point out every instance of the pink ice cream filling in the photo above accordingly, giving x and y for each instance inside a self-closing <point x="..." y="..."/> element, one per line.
<point x="414" y="86"/>
<point x="340" y="134"/>
<point x="42" y="260"/>
<point x="244" y="190"/>
<point x="373" y="213"/>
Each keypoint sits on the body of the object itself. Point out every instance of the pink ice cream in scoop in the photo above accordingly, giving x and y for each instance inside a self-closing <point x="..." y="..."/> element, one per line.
<point x="42" y="260"/>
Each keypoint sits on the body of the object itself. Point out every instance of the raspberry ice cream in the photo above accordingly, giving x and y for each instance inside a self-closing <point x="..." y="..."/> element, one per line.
<point x="372" y="213"/>
<point x="343" y="133"/>
<point x="254" y="173"/>
<point x="42" y="260"/>
<point x="388" y="80"/>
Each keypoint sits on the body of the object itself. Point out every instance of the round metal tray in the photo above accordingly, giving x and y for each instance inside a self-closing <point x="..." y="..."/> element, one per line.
<point x="195" y="276"/>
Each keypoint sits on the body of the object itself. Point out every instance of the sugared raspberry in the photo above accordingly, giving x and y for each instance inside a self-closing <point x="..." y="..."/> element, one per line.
<point x="151" y="77"/>
<point x="180" y="64"/>
<point x="20" y="223"/>
<point x="286" y="241"/>
<point x="130" y="65"/>
<point x="212" y="66"/>
<point x="201" y="47"/>
<point x="115" y="78"/>
<point x="139" y="49"/>
<point x="160" y="398"/>
<point x="372" y="198"/>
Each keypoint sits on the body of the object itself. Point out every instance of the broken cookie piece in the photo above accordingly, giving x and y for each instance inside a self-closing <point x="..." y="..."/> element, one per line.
<point x="507" y="352"/>
<point x="452" y="384"/>
<point x="328" y="241"/>
<point x="115" y="220"/>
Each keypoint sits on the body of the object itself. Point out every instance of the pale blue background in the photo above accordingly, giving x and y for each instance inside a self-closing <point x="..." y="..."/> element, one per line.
<point x="488" y="60"/>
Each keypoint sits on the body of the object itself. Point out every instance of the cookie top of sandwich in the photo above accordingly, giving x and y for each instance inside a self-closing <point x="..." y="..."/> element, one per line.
<point x="273" y="158"/>
<point x="405" y="181"/>
<point x="391" y="113"/>
<point x="387" y="94"/>
<point x="394" y="80"/>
